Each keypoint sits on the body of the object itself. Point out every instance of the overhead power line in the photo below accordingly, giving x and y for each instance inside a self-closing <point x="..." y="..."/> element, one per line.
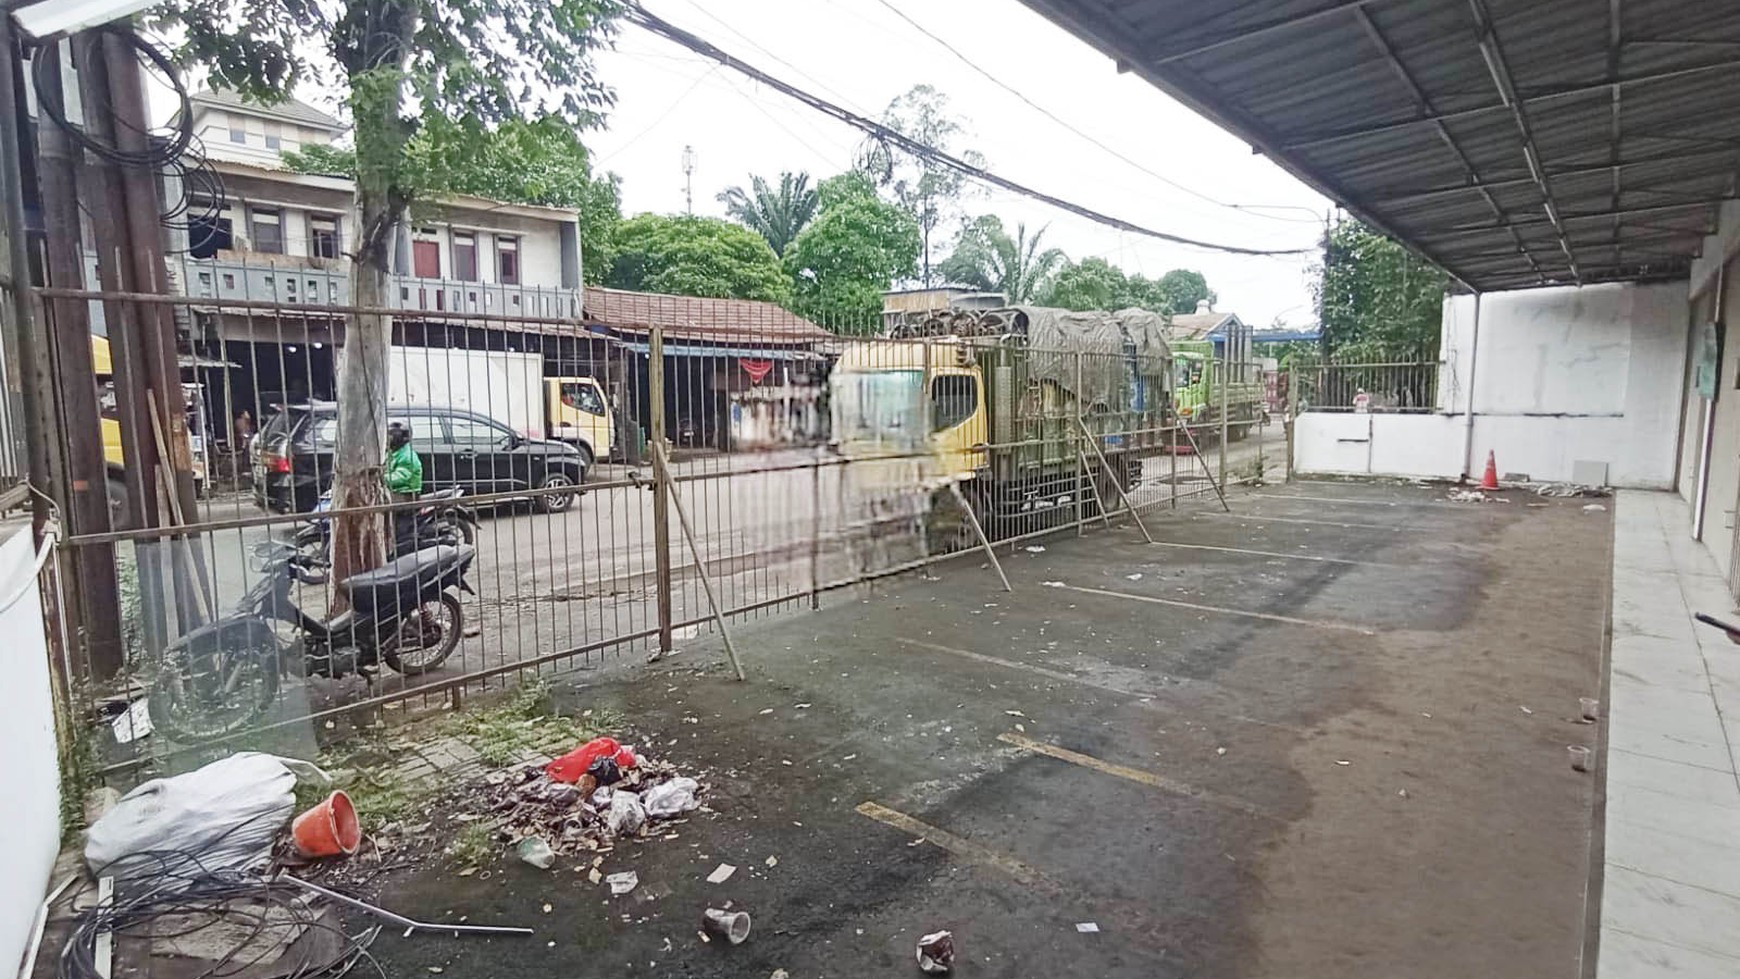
<point x="646" y="19"/>
<point x="1065" y="123"/>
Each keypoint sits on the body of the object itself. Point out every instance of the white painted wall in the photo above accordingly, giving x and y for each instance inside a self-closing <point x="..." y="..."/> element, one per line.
<point x="32" y="762"/>
<point x="1563" y="375"/>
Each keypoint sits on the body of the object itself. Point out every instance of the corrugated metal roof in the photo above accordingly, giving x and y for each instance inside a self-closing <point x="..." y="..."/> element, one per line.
<point x="1514" y="142"/>
<point x="696" y="318"/>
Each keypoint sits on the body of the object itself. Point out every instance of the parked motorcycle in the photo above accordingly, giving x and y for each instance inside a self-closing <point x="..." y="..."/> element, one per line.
<point x="225" y="676"/>
<point x="439" y="519"/>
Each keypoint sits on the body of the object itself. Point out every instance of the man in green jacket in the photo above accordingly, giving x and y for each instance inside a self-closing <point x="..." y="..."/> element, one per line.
<point x="404" y="468"/>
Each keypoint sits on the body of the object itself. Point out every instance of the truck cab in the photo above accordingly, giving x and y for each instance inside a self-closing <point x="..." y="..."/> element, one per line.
<point x="580" y="414"/>
<point x="919" y="403"/>
<point x="198" y="427"/>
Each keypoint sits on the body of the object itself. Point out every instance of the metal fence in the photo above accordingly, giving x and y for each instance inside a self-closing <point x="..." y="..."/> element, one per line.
<point x="1395" y="385"/>
<point x="653" y="471"/>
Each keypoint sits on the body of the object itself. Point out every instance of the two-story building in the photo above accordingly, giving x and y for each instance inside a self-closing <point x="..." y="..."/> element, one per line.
<point x="466" y="271"/>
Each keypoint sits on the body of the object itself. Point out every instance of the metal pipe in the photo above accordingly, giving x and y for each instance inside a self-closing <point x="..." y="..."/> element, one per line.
<point x="410" y="924"/>
<point x="655" y="384"/>
<point x="1473" y="365"/>
<point x="664" y="464"/>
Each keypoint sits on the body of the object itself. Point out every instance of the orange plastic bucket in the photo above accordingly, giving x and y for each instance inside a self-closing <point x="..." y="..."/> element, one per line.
<point x="328" y="829"/>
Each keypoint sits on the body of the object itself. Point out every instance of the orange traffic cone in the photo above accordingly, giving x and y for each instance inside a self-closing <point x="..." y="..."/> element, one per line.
<point x="1490" y="480"/>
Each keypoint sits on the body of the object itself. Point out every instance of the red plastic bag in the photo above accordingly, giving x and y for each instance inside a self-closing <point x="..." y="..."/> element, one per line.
<point x="574" y="764"/>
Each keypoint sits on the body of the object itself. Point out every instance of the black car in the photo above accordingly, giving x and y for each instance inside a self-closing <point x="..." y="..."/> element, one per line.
<point x="293" y="456"/>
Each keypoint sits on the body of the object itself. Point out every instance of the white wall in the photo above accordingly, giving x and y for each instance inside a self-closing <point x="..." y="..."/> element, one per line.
<point x="32" y="762"/>
<point x="1563" y="375"/>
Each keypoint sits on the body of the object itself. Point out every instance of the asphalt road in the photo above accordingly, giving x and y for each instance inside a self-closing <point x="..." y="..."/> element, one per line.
<point x="580" y="580"/>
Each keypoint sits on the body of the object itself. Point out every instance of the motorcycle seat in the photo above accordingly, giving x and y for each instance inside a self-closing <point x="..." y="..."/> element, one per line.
<point x="403" y="575"/>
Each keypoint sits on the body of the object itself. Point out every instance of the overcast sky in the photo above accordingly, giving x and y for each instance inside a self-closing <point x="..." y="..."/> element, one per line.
<point x="859" y="53"/>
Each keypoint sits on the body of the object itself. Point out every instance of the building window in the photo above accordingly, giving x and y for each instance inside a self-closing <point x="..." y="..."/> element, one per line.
<point x="465" y="256"/>
<point x="507" y="260"/>
<point x="238" y="134"/>
<point x="273" y="142"/>
<point x="323" y="236"/>
<point x="268" y="228"/>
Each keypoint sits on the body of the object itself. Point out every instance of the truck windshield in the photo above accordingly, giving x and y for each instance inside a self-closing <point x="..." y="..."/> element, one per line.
<point x="1189" y="371"/>
<point x="880" y="406"/>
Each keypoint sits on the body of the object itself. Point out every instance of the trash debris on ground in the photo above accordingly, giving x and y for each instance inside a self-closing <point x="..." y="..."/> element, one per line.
<point x="577" y="763"/>
<point x="771" y="862"/>
<point x="1468" y="496"/>
<point x="1087" y="928"/>
<point x="589" y="816"/>
<point x="1343" y="762"/>
<point x="626" y="815"/>
<point x="622" y="883"/>
<point x="1525" y="709"/>
<point x="1590" y="708"/>
<point x="1133" y="577"/>
<point x="733" y="926"/>
<point x="1035" y="548"/>
<point x="133" y="723"/>
<point x="1564" y="490"/>
<point x="672" y="798"/>
<point x="1579" y="757"/>
<point x="936" y="952"/>
<point x="1594" y="508"/>
<point x="229" y="813"/>
<point x="721" y="874"/>
<point x="537" y="852"/>
<point x="1053" y="584"/>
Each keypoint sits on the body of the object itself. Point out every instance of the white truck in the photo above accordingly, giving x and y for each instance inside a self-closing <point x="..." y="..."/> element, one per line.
<point x="507" y="386"/>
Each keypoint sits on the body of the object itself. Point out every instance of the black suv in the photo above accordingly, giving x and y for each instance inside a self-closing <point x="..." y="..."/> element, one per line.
<point x="292" y="456"/>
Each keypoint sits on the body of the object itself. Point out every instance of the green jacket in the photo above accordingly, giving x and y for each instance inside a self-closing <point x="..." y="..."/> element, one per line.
<point x="404" y="471"/>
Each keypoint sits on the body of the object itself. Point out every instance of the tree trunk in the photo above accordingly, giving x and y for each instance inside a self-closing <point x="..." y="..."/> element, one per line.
<point x="376" y="68"/>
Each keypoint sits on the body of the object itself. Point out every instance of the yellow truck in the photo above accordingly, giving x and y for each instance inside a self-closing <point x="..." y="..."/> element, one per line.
<point x="115" y="461"/>
<point x="580" y="413"/>
<point x="995" y="402"/>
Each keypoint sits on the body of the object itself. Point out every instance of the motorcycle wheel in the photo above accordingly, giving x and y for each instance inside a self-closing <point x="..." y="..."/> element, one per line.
<point x="197" y="696"/>
<point x="414" y="651"/>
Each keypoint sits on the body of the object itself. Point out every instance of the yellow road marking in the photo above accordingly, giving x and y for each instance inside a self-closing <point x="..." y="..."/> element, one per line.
<point x="1290" y="620"/>
<point x="964" y="848"/>
<point x="1151" y="779"/>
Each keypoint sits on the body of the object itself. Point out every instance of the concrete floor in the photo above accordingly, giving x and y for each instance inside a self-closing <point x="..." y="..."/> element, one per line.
<point x="1323" y="736"/>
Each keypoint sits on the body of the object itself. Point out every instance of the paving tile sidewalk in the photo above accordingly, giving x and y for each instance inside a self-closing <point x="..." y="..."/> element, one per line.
<point x="1671" y="892"/>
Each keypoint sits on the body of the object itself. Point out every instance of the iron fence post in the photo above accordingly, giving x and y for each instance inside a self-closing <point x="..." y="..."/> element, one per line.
<point x="1225" y="377"/>
<point x="1076" y="431"/>
<point x="1287" y="415"/>
<point x="655" y="374"/>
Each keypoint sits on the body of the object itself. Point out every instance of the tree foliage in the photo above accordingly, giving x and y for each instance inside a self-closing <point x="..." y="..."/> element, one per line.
<point x="850" y="254"/>
<point x="1094" y="283"/>
<point x="987" y="257"/>
<point x="696" y="256"/>
<point x="1378" y="301"/>
<point x="777" y="215"/>
<point x="928" y="191"/>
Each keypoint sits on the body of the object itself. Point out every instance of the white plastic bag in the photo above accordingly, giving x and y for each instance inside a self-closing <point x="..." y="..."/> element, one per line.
<point x="671" y="798"/>
<point x="625" y="816"/>
<point x="225" y="815"/>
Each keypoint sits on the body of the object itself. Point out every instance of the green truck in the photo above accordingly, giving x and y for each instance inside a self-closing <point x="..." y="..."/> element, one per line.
<point x="1198" y="392"/>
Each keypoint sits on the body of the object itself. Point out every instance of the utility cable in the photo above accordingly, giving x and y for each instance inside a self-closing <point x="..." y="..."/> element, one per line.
<point x="645" y="19"/>
<point x="1066" y="124"/>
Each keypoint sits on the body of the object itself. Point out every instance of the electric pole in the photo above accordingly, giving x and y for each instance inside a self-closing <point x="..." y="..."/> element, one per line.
<point x="689" y="179"/>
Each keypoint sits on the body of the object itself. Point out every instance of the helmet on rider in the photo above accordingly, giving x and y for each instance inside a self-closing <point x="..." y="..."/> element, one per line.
<point x="398" y="434"/>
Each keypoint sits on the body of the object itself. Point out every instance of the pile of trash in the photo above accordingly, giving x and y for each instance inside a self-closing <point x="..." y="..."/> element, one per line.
<point x="598" y="793"/>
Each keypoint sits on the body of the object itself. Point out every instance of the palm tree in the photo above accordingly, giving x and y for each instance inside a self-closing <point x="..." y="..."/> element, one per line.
<point x="986" y="257"/>
<point x="778" y="215"/>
